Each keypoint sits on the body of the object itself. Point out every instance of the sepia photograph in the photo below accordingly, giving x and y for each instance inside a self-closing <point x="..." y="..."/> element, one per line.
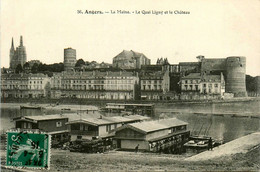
<point x="130" y="85"/>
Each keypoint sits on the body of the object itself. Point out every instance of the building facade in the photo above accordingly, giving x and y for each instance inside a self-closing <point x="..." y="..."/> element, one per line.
<point x="18" y="55"/>
<point x="24" y="85"/>
<point x="197" y="86"/>
<point x="154" y="85"/>
<point x="95" y="85"/>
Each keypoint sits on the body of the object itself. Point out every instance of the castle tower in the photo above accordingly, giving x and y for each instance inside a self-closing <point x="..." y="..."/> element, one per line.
<point x="236" y="78"/>
<point x="69" y="58"/>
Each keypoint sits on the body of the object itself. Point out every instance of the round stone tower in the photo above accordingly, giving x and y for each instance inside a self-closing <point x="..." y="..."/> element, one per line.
<point x="236" y="78"/>
<point x="69" y="58"/>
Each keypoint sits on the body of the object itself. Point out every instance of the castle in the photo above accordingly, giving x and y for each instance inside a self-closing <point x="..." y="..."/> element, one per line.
<point x="18" y="55"/>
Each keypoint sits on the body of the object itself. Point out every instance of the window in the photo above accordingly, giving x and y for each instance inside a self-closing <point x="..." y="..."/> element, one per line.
<point x="81" y="127"/>
<point x="216" y="85"/>
<point x="108" y="128"/>
<point x="29" y="125"/>
<point x="24" y="125"/>
<point x="59" y="124"/>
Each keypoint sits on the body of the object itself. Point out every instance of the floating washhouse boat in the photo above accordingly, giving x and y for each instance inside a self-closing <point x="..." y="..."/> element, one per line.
<point x="51" y="124"/>
<point x="142" y="109"/>
<point x="31" y="107"/>
<point x="101" y="127"/>
<point x="166" y="135"/>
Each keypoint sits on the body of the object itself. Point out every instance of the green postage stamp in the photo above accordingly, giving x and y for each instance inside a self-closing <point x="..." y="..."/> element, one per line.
<point x="28" y="150"/>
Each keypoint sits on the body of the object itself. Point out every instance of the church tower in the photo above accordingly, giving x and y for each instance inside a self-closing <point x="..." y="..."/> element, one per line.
<point x="18" y="55"/>
<point x="12" y="56"/>
<point x="21" y="53"/>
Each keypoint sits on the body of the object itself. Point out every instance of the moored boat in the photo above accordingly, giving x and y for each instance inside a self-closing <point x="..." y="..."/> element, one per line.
<point x="199" y="142"/>
<point x="31" y="107"/>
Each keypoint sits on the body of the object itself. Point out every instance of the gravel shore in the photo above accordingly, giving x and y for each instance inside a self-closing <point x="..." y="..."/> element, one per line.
<point x="63" y="160"/>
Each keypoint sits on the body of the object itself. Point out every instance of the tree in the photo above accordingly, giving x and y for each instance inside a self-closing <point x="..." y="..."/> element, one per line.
<point x="35" y="68"/>
<point x="26" y="65"/>
<point x="4" y="70"/>
<point x="18" y="68"/>
<point x="251" y="83"/>
<point x="200" y="58"/>
<point x="79" y="63"/>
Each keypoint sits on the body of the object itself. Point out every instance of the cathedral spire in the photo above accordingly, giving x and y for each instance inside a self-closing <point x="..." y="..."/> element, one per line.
<point x="21" y="40"/>
<point x="12" y="47"/>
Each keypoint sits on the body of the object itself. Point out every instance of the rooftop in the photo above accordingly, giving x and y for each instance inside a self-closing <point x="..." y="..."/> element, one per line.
<point x="211" y="77"/>
<point x="192" y="76"/>
<point x="108" y="120"/>
<point x="41" y="117"/>
<point x="150" y="126"/>
<point x="130" y="54"/>
<point x="92" y="74"/>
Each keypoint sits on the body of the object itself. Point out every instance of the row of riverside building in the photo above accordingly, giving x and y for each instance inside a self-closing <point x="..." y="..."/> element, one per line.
<point x="130" y="77"/>
<point x="112" y="85"/>
<point x="124" y="132"/>
<point x="118" y="85"/>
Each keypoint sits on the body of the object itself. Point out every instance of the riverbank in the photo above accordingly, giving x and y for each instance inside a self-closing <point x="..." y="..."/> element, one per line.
<point x="62" y="160"/>
<point x="51" y="106"/>
<point x="240" y="145"/>
<point x="239" y="107"/>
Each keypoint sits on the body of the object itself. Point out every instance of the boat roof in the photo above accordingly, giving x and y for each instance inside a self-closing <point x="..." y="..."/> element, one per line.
<point x="138" y="117"/>
<point x="41" y="117"/>
<point x="108" y="120"/>
<point x="151" y="126"/>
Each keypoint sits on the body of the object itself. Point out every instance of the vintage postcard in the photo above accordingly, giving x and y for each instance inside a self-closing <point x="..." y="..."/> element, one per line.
<point x="130" y="85"/>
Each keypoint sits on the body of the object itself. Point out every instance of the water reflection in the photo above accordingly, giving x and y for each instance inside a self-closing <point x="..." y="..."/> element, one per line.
<point x="225" y="128"/>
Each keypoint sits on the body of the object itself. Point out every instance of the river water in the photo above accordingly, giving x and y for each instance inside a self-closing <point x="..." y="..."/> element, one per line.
<point x="225" y="127"/>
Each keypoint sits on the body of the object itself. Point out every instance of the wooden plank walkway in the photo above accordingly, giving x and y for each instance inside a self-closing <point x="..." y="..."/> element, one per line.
<point x="240" y="145"/>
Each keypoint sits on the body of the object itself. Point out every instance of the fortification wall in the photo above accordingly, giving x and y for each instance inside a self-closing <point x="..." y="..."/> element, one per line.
<point x="209" y="66"/>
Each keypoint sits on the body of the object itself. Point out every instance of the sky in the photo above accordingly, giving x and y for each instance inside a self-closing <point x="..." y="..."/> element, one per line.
<point x="215" y="29"/>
